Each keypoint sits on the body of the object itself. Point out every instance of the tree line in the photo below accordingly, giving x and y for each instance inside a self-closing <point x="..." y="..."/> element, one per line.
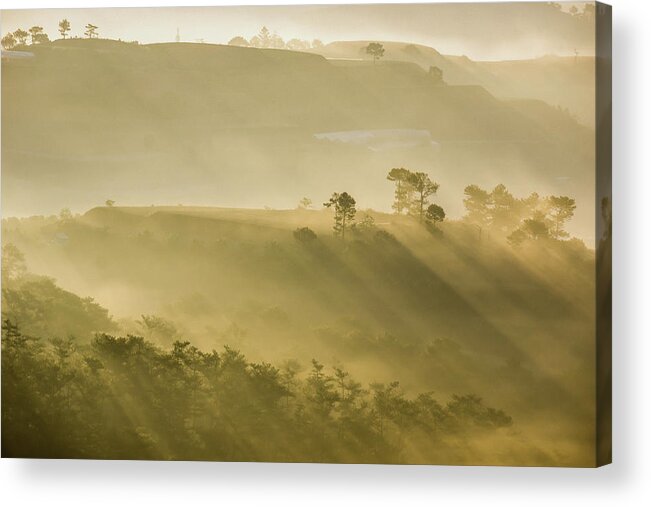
<point x="124" y="397"/>
<point x="518" y="219"/>
<point x="266" y="39"/>
<point x="412" y="196"/>
<point x="37" y="35"/>
<point x="532" y="217"/>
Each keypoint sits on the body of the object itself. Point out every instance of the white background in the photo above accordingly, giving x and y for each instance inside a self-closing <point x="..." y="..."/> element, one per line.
<point x="626" y="482"/>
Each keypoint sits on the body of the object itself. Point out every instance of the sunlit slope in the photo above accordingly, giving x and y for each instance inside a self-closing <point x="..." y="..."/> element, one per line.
<point x="454" y="72"/>
<point x="87" y="120"/>
<point x="478" y="279"/>
<point x="109" y="82"/>
<point x="567" y="82"/>
<point x="456" y="312"/>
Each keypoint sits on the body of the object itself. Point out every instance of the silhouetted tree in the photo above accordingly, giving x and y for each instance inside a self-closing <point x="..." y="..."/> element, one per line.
<point x="470" y="410"/>
<point x="158" y="328"/>
<point x="546" y="218"/>
<point x="304" y="235"/>
<point x="321" y="391"/>
<point x="41" y="38"/>
<point x="341" y="377"/>
<point x="376" y="50"/>
<point x="288" y="377"/>
<point x="64" y="27"/>
<point x="276" y="41"/>
<point x="530" y="205"/>
<point x="238" y="41"/>
<point x="21" y="36"/>
<point x="13" y="264"/>
<point x="317" y="44"/>
<point x="499" y="208"/>
<point x="36" y="33"/>
<point x="8" y="41"/>
<point x="536" y="227"/>
<point x="91" y="31"/>
<point x="517" y="237"/>
<point x="436" y="74"/>
<point x="305" y="203"/>
<point x="503" y="213"/>
<point x="298" y="44"/>
<point x="435" y="213"/>
<point x="423" y="187"/>
<point x="65" y="214"/>
<point x="344" y="206"/>
<point x="366" y="224"/>
<point x="477" y="203"/>
<point x="402" y="195"/>
<point x="561" y="209"/>
<point x="384" y="403"/>
<point x="263" y="39"/>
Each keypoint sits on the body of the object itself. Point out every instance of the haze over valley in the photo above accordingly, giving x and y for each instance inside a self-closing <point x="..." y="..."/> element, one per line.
<point x="325" y="245"/>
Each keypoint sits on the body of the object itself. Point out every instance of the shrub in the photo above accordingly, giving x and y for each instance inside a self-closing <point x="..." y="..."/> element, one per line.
<point x="304" y="235"/>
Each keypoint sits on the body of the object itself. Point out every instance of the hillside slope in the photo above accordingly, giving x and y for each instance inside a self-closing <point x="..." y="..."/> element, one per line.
<point x="87" y="120"/>
<point x="450" y="313"/>
<point x="565" y="82"/>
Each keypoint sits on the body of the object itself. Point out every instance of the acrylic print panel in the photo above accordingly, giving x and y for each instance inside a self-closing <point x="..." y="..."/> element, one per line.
<point x="307" y="233"/>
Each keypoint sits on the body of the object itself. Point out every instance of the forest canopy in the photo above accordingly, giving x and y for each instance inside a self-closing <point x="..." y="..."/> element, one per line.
<point x="125" y="398"/>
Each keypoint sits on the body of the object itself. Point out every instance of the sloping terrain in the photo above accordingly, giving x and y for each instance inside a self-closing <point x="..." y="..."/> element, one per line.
<point x="564" y="82"/>
<point x="454" y="312"/>
<point x="88" y="120"/>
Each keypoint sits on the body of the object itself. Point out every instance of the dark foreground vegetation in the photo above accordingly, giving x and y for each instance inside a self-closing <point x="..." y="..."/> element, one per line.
<point x="124" y="397"/>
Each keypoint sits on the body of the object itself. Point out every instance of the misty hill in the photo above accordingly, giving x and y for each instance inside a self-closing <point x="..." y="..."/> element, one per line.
<point x="455" y="312"/>
<point x="87" y="120"/>
<point x="565" y="82"/>
<point x="43" y="309"/>
<point x="423" y="56"/>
